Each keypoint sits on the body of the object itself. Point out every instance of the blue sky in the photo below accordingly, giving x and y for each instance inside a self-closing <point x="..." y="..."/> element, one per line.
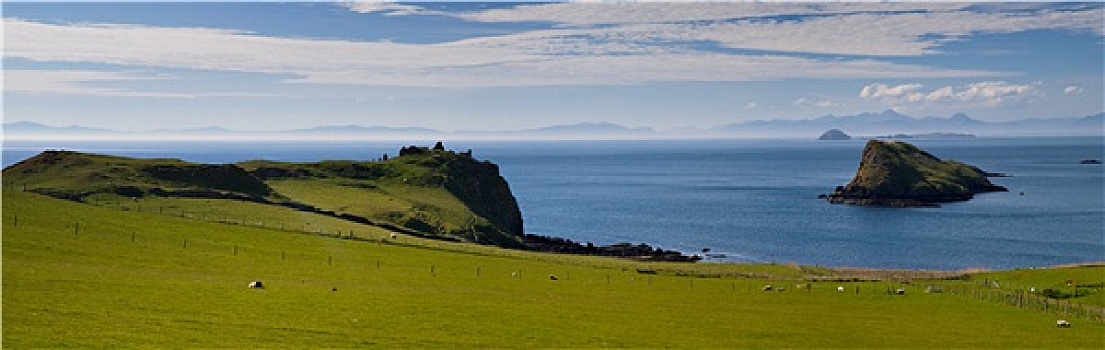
<point x="506" y="66"/>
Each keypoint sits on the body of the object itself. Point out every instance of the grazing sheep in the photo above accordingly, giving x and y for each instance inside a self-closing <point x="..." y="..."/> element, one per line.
<point x="768" y="288"/>
<point x="900" y="291"/>
<point x="1062" y="324"/>
<point x="514" y="275"/>
<point x="257" y="285"/>
<point x="840" y="289"/>
<point x="553" y="278"/>
<point x="394" y="236"/>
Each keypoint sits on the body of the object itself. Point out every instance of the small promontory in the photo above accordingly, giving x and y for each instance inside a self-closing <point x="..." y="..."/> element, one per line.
<point x="834" y="134"/>
<point x="895" y="173"/>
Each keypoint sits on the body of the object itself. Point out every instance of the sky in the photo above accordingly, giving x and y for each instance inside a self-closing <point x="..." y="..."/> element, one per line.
<point x="506" y="66"/>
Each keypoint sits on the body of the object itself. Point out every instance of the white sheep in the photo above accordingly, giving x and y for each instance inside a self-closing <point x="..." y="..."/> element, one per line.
<point x="1062" y="324"/>
<point x="840" y="288"/>
<point x="257" y="285"/>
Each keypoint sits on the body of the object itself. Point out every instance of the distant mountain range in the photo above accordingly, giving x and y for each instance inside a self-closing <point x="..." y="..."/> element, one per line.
<point x="860" y="125"/>
<point x="890" y="122"/>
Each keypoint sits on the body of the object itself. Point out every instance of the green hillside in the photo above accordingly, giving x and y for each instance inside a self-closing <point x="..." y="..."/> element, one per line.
<point x="80" y="275"/>
<point x="434" y="193"/>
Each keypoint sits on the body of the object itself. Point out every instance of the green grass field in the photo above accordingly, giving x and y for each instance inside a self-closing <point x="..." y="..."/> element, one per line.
<point x="79" y="275"/>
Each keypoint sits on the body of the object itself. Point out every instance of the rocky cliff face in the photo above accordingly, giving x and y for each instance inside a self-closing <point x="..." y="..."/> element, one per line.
<point x="480" y="186"/>
<point x="894" y="173"/>
<point x="477" y="184"/>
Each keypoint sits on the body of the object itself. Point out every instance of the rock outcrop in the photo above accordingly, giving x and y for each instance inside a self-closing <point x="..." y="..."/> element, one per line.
<point x="895" y="173"/>
<point x="834" y="134"/>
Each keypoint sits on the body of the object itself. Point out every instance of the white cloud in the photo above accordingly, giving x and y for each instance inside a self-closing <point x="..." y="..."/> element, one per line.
<point x="389" y="8"/>
<point x="1074" y="90"/>
<point x="878" y="90"/>
<point x="885" y="29"/>
<point x="987" y="93"/>
<point x="810" y="101"/>
<point x="751" y="105"/>
<point x="527" y="59"/>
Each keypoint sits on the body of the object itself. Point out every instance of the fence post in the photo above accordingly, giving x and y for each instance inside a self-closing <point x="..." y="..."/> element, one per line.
<point x="77" y="227"/>
<point x="132" y="236"/>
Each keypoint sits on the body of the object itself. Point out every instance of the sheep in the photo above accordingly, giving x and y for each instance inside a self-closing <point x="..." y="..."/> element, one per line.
<point x="768" y="288"/>
<point x="1062" y="324"/>
<point x="900" y="291"/>
<point x="553" y="278"/>
<point x="840" y="289"/>
<point x="394" y="236"/>
<point x="257" y="285"/>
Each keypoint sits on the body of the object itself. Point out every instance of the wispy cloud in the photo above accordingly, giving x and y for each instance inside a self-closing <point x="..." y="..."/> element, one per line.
<point x="814" y="101"/>
<point x="1074" y="90"/>
<point x="893" y="29"/>
<point x="388" y="8"/>
<point x="595" y="44"/>
<point x="95" y="83"/>
<point x="988" y="93"/>
<point x="502" y="61"/>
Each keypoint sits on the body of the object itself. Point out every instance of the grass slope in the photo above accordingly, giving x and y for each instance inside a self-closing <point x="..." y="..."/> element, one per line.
<point x="427" y="192"/>
<point x="181" y="283"/>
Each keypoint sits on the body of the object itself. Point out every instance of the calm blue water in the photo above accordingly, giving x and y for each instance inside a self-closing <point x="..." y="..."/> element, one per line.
<point x="755" y="200"/>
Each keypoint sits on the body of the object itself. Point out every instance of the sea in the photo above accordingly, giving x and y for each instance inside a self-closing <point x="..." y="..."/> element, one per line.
<point x="751" y="200"/>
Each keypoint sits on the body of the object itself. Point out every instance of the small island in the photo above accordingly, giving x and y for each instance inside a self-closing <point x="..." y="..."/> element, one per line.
<point x="898" y="174"/>
<point x="834" y="135"/>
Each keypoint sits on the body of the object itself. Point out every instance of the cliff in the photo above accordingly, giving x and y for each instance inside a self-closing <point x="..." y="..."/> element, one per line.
<point x="895" y="173"/>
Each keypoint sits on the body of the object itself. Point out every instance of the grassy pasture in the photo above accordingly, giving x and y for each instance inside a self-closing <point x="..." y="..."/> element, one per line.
<point x="181" y="282"/>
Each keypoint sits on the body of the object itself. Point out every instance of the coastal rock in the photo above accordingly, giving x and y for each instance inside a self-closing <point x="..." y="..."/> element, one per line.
<point x="834" y="134"/>
<point x="895" y="173"/>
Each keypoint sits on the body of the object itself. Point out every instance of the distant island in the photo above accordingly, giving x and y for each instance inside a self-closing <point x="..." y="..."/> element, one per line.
<point x="898" y="174"/>
<point x="930" y="135"/>
<point x="833" y="135"/>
